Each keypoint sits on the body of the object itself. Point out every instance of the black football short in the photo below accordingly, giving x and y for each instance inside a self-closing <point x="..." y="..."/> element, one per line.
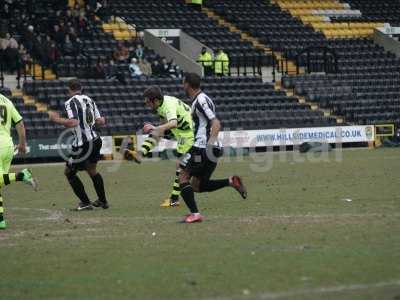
<point x="198" y="163"/>
<point x="88" y="153"/>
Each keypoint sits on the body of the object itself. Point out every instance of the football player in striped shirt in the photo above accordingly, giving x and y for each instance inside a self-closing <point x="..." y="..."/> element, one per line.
<point x="83" y="116"/>
<point x="202" y="159"/>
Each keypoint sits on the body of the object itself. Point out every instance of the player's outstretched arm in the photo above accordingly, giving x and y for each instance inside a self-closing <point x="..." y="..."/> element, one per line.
<point x="20" y="127"/>
<point x="100" y="121"/>
<point x="55" y="117"/>
<point x="159" y="131"/>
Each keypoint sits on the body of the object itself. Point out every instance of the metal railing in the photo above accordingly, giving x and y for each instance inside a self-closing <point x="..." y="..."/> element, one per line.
<point x="312" y="59"/>
<point x="243" y="65"/>
<point x="29" y="70"/>
<point x="318" y="59"/>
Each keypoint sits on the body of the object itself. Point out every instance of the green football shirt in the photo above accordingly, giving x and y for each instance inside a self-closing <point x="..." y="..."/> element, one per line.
<point x="174" y="109"/>
<point x="8" y="116"/>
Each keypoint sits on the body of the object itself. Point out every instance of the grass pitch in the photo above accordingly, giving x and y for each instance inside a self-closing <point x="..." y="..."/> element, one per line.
<point x="326" y="229"/>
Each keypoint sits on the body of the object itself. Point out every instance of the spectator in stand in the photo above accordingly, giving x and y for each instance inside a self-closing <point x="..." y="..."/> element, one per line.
<point x="134" y="69"/>
<point x="92" y="4"/>
<point x="53" y="55"/>
<point x="100" y="71"/>
<point x="174" y="70"/>
<point x="156" y="68"/>
<point x="139" y="52"/>
<point x="72" y="34"/>
<point x="58" y="35"/>
<point x="103" y="10"/>
<point x="4" y="11"/>
<point x="40" y="52"/>
<point x="111" y="72"/>
<point x="44" y="49"/>
<point x="164" y="67"/>
<point x="11" y="53"/>
<point x="125" y="51"/>
<point x="68" y="48"/>
<point x="68" y="17"/>
<point x="121" y="53"/>
<point x="90" y="13"/>
<point x="25" y="58"/>
<point x="76" y="11"/>
<point x="29" y="38"/>
<point x="68" y="28"/>
<point x="47" y="42"/>
<point x="145" y="67"/>
<point x="77" y="46"/>
<point x="63" y="26"/>
<point x="82" y="24"/>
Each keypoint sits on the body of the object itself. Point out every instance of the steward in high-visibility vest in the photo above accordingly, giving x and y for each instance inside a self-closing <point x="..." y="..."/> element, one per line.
<point x="221" y="63"/>
<point x="206" y="60"/>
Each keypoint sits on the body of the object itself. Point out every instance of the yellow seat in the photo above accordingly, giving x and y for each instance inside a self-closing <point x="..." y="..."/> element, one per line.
<point x="106" y="26"/>
<point x="118" y="35"/>
<point x="122" y="26"/>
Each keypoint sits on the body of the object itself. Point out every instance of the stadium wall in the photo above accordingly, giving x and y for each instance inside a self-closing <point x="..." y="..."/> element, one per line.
<point x="387" y="42"/>
<point x="192" y="47"/>
<point x="164" y="49"/>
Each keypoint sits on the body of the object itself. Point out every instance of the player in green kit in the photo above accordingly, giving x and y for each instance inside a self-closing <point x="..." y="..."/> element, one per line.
<point x="8" y="116"/>
<point x="176" y="123"/>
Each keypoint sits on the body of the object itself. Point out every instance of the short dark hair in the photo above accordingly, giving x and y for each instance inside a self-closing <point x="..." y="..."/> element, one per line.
<point x="153" y="93"/>
<point x="74" y="85"/>
<point x="193" y="80"/>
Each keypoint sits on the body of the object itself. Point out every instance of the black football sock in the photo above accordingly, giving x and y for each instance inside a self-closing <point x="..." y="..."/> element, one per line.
<point x="98" y="184"/>
<point x="78" y="188"/>
<point x="213" y="185"/>
<point x="188" y="196"/>
<point x="6" y="179"/>
<point x="19" y="176"/>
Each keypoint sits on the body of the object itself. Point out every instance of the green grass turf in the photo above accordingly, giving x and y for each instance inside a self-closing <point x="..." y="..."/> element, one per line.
<point x="294" y="238"/>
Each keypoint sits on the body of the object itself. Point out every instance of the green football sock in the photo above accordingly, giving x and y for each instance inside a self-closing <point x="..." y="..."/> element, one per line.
<point x="148" y="145"/>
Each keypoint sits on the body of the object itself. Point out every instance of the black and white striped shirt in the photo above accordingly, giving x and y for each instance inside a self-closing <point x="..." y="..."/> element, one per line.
<point x="83" y="109"/>
<point x="203" y="112"/>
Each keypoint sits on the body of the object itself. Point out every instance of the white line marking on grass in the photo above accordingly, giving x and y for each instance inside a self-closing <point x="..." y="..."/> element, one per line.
<point x="314" y="291"/>
<point x="56" y="215"/>
<point x="53" y="215"/>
